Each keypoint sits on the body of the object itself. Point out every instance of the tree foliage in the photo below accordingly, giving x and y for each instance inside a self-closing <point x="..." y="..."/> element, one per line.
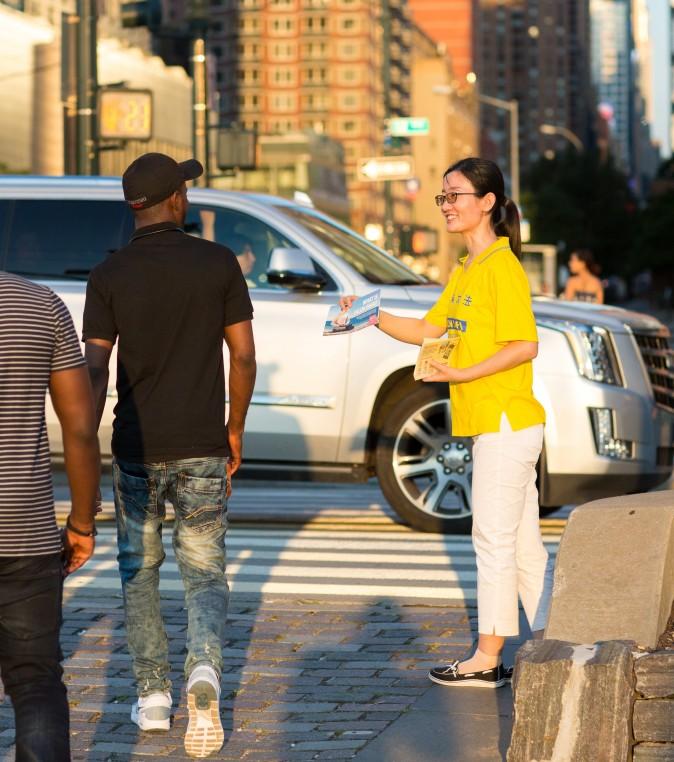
<point x="579" y="200"/>
<point x="654" y="249"/>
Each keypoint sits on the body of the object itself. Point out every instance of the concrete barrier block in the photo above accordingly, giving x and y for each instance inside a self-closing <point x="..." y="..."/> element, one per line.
<point x="614" y="576"/>
<point x="573" y="703"/>
<point x="652" y="752"/>
<point x="655" y="674"/>
<point x="654" y="720"/>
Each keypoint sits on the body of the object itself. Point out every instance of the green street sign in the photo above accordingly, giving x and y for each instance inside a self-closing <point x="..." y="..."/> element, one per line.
<point x="405" y="126"/>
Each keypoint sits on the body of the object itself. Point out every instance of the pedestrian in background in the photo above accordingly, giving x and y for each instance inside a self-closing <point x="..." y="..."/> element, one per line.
<point x="39" y="351"/>
<point x="583" y="285"/>
<point x="487" y="304"/>
<point x="169" y="300"/>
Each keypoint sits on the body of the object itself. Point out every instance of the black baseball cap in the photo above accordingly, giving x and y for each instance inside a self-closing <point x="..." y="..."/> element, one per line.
<point x="153" y="177"/>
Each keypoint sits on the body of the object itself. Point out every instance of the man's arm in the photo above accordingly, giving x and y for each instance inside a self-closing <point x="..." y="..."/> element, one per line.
<point x="97" y="354"/>
<point x="242" y="369"/>
<point x="70" y="392"/>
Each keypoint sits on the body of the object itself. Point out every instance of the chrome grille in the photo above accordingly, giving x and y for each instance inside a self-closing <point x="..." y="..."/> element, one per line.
<point x="659" y="360"/>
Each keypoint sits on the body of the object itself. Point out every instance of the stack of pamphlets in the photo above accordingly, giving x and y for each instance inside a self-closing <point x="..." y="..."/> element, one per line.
<point x="433" y="349"/>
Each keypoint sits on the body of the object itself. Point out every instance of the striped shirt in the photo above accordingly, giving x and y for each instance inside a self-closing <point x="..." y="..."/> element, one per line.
<point x="37" y="337"/>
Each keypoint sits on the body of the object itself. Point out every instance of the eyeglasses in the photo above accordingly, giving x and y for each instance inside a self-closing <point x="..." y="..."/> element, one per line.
<point x="451" y="197"/>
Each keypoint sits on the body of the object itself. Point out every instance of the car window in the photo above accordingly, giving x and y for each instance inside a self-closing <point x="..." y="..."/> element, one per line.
<point x="64" y="238"/>
<point x="248" y="237"/>
<point x="372" y="263"/>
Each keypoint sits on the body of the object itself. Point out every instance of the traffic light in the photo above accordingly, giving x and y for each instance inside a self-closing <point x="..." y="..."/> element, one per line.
<point x="135" y="13"/>
<point x="418" y="240"/>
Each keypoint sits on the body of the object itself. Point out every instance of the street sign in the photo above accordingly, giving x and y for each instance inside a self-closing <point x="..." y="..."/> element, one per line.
<point x="379" y="168"/>
<point x="125" y="114"/>
<point x="404" y="126"/>
<point x="236" y="148"/>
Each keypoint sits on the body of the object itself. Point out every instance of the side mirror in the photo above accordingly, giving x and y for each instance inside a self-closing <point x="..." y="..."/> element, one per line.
<point x="293" y="269"/>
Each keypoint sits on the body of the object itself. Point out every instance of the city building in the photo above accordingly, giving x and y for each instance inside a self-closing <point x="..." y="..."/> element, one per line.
<point x="335" y="67"/>
<point x="612" y="72"/>
<point x="31" y="120"/>
<point x="652" y="22"/>
<point x="538" y="53"/>
<point x="20" y="36"/>
<point x="304" y="165"/>
<point x="448" y="102"/>
<point x="449" y="23"/>
<point x="645" y="151"/>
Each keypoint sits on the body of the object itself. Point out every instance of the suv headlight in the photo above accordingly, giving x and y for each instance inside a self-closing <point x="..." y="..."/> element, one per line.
<point x="593" y="349"/>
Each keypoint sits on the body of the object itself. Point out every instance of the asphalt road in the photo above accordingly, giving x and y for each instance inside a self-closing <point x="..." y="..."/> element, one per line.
<point x="319" y="540"/>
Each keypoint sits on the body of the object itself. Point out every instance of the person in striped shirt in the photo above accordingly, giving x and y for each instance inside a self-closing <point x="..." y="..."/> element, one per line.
<point x="40" y="351"/>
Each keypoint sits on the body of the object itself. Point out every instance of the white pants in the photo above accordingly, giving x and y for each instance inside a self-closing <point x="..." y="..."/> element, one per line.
<point x="511" y="557"/>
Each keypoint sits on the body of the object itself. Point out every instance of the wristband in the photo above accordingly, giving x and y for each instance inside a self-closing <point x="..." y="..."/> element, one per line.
<point x="79" y="532"/>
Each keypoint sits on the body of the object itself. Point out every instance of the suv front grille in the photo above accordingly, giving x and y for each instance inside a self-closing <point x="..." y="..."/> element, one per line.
<point x="659" y="360"/>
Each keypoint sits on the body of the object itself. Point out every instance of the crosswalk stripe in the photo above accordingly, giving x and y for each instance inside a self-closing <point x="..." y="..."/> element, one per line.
<point x="370" y="545"/>
<point x="319" y="563"/>
<point x="299" y="588"/>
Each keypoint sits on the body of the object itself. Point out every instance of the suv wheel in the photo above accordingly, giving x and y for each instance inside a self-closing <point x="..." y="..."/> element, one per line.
<point x="424" y="472"/>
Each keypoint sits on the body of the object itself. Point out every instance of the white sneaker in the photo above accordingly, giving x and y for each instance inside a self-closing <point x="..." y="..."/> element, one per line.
<point x="204" y="729"/>
<point x="153" y="712"/>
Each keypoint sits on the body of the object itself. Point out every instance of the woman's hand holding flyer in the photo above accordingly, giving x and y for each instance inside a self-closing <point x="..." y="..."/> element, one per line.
<point x="353" y="314"/>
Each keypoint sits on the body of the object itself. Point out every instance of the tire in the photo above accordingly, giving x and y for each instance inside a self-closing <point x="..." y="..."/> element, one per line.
<point x="423" y="471"/>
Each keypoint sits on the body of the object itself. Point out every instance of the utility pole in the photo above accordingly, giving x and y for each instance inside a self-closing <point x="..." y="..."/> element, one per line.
<point x="200" y="143"/>
<point x="87" y="89"/>
<point x="198" y="22"/>
<point x="386" y="81"/>
<point x="69" y="91"/>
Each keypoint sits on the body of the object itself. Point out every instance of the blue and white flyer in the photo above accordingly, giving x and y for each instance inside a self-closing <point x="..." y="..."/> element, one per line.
<point x="361" y="314"/>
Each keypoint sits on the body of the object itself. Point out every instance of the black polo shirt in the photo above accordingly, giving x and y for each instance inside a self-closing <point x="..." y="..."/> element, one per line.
<point x="167" y="297"/>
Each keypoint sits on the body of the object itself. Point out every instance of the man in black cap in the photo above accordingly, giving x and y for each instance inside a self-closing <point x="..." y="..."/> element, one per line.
<point x="169" y="299"/>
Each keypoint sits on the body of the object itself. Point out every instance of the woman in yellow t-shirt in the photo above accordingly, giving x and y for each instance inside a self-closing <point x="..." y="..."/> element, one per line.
<point x="487" y="303"/>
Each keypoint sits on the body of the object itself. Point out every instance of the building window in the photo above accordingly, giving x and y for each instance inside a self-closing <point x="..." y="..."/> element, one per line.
<point x="316" y="23"/>
<point x="347" y="75"/>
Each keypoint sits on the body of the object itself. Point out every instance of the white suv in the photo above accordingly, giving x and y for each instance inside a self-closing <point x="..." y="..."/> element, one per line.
<point x="347" y="407"/>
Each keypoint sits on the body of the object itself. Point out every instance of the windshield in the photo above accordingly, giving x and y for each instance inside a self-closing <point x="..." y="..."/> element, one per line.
<point x="372" y="263"/>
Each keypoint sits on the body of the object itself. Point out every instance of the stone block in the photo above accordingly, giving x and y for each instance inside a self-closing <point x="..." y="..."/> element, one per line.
<point x="655" y="674"/>
<point x="654" y="720"/>
<point x="573" y="703"/>
<point x="654" y="752"/>
<point x="614" y="576"/>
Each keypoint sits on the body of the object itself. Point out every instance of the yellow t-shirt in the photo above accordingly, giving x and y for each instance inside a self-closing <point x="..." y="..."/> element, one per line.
<point x="489" y="305"/>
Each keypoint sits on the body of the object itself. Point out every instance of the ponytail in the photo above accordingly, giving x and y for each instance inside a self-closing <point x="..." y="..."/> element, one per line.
<point x="505" y="219"/>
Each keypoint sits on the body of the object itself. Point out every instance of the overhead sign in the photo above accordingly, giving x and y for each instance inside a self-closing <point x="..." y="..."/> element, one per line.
<point x="125" y="114"/>
<point x="401" y="127"/>
<point x="386" y="168"/>
<point x="236" y="148"/>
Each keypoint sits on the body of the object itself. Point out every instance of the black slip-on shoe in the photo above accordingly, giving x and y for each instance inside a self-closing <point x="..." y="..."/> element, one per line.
<point x="508" y="674"/>
<point x="449" y="674"/>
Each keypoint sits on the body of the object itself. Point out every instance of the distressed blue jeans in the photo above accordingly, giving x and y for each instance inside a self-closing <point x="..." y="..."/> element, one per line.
<point x="197" y="489"/>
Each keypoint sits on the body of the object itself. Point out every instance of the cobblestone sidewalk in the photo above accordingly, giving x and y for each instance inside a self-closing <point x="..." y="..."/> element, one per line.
<point x="304" y="679"/>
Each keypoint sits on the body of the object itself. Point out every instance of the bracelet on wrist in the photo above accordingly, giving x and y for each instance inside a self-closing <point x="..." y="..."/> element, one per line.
<point x="79" y="532"/>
